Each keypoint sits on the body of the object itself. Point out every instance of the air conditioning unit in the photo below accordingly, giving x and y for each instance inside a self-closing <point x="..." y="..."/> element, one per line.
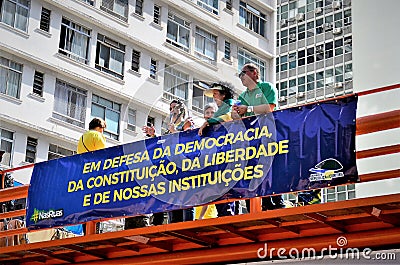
<point x="292" y="36"/>
<point x="348" y="40"/>
<point x="282" y="99"/>
<point x="300" y="16"/>
<point x="336" y="4"/>
<point x="337" y="30"/>
<point x="328" y="26"/>
<point x="300" y="95"/>
<point x="338" y="85"/>
<point x="283" y="22"/>
<point x="318" y="10"/>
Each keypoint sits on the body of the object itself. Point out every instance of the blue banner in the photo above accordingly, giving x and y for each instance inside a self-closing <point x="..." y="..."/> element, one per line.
<point x="289" y="150"/>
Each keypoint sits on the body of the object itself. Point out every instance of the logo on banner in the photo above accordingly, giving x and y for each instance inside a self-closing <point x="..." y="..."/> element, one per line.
<point x="39" y="215"/>
<point x="326" y="170"/>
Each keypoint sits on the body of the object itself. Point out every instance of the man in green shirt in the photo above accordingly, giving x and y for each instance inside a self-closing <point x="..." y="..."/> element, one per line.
<point x="258" y="98"/>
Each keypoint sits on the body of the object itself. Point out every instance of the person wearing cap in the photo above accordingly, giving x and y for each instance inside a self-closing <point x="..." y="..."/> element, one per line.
<point x="258" y="98"/>
<point x="223" y="93"/>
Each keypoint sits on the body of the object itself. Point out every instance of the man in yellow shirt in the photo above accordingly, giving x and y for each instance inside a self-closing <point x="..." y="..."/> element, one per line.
<point x="93" y="139"/>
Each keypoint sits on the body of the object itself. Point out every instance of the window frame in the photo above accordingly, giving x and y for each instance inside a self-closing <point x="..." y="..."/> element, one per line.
<point x="12" y="68"/>
<point x="203" y="39"/>
<point x="180" y="24"/>
<point x="109" y="46"/>
<point x="78" y="32"/>
<point x="45" y="19"/>
<point x="109" y="107"/>
<point x="17" y="7"/>
<point x="6" y="141"/>
<point x="246" y="11"/>
<point x="38" y="83"/>
<point x="75" y="93"/>
<point x="246" y="57"/>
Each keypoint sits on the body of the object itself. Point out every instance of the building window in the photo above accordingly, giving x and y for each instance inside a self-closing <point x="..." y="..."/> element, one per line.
<point x="329" y="50"/>
<point x="135" y="60"/>
<point x="301" y="87"/>
<point x="157" y="14"/>
<point x="151" y="121"/>
<point x="199" y="100"/>
<point x="227" y="51"/>
<point x="292" y="60"/>
<point x="10" y="77"/>
<point x="30" y="155"/>
<point x="175" y="84"/>
<point x="70" y="103"/>
<point x="110" y="112"/>
<point x="209" y="5"/>
<point x="310" y="55"/>
<point x="246" y="57"/>
<point x="348" y="71"/>
<point x="90" y="2"/>
<point x="153" y="69"/>
<point x="74" y="41"/>
<point x="310" y="82"/>
<point x="284" y="63"/>
<point x="205" y="45"/>
<point x="131" y="119"/>
<point x="252" y="18"/>
<point x="15" y="13"/>
<point x="110" y="56"/>
<point x="301" y="57"/>
<point x="45" y="19"/>
<point x="178" y="32"/>
<point x="139" y="7"/>
<point x="118" y="8"/>
<point x="56" y="152"/>
<point x="7" y="140"/>
<point x="38" y="81"/>
<point x="228" y="4"/>
<point x="339" y="193"/>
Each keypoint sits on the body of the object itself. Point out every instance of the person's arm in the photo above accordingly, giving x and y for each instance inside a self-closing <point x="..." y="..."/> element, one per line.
<point x="200" y="132"/>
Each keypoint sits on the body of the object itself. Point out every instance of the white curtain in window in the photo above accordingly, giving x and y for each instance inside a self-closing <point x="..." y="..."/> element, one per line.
<point x="210" y="49"/>
<point x="184" y="36"/>
<point x="3" y="78"/>
<point x="168" y="82"/>
<point x="117" y="61"/>
<point x="21" y="18"/>
<point x="120" y="7"/>
<point x="8" y="14"/>
<point x="14" y="83"/>
<point x="61" y="98"/>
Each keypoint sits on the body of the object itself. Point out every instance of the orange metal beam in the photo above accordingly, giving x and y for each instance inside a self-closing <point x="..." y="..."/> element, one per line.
<point x="378" y="151"/>
<point x="14" y="193"/>
<point x="395" y="173"/>
<point x="242" y="252"/>
<point x="378" y="122"/>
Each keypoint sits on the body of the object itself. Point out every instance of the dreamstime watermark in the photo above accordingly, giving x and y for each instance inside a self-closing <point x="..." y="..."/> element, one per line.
<point x="332" y="252"/>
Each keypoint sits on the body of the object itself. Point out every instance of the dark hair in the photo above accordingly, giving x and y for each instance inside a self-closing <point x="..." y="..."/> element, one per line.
<point x="97" y="122"/>
<point x="228" y="90"/>
<point x="179" y="105"/>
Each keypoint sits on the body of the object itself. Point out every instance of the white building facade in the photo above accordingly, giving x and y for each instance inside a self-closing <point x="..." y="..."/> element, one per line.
<point x="64" y="62"/>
